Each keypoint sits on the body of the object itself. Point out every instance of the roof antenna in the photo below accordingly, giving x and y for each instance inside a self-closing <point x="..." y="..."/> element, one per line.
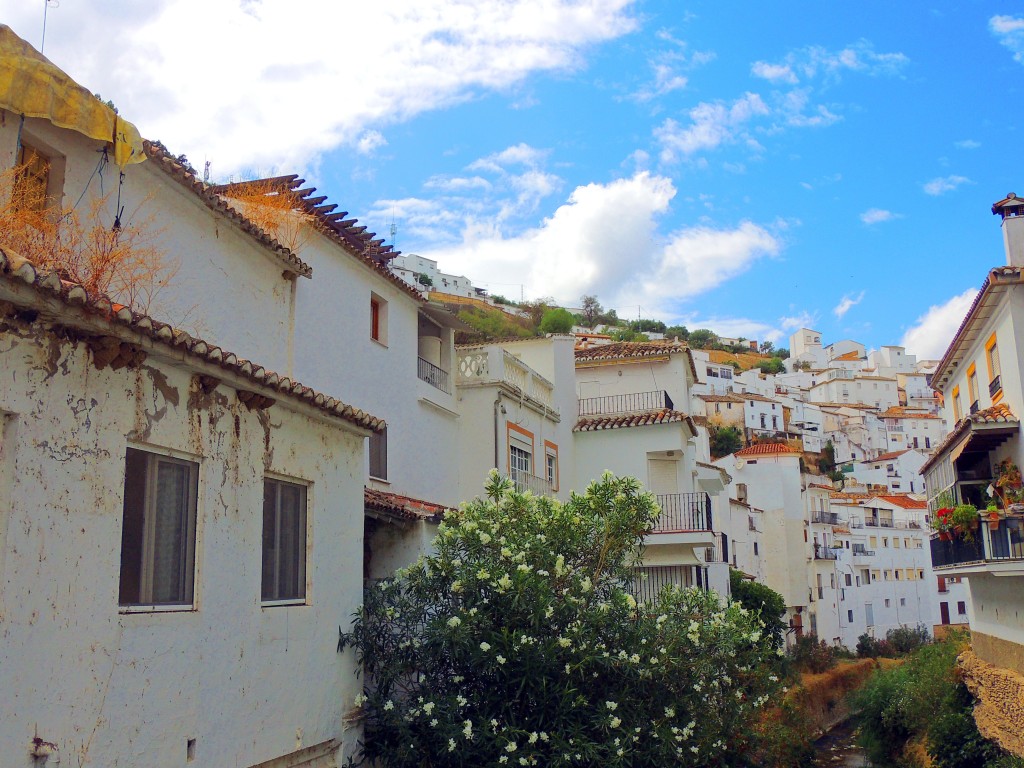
<point x="47" y="4"/>
<point x="206" y="173"/>
<point x="393" y="230"/>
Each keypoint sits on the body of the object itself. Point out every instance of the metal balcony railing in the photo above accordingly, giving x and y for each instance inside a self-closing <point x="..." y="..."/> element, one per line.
<point x="651" y="580"/>
<point x="539" y="486"/>
<point x="988" y="546"/>
<point x="716" y="552"/>
<point x="826" y="518"/>
<point x="974" y="407"/>
<point x="434" y="376"/>
<point x="825" y="553"/>
<point x="859" y="550"/>
<point x="630" y="403"/>
<point x="683" y="512"/>
<point x="994" y="386"/>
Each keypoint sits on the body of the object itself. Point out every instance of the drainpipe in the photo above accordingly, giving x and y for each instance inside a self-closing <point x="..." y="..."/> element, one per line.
<point x="497" y="414"/>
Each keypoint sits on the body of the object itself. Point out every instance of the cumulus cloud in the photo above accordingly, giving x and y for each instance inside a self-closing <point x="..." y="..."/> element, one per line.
<point x="878" y="215"/>
<point x="519" y="154"/>
<point x="243" y="98"/>
<point x="931" y="335"/>
<point x="967" y="144"/>
<point x="604" y="240"/>
<point x="944" y="184"/>
<point x="848" y="302"/>
<point x="1009" y="30"/>
<point x="803" y="319"/>
<point x="774" y="72"/>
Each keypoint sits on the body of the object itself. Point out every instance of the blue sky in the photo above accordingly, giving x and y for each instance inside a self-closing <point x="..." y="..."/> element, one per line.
<point x="748" y="168"/>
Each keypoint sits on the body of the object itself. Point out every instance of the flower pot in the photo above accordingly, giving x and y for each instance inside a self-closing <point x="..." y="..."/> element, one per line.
<point x="993" y="521"/>
<point x="944" y="536"/>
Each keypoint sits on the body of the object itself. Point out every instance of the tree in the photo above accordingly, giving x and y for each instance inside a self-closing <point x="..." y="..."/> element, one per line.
<point x="702" y="338"/>
<point x="557" y="321"/>
<point x="775" y="365"/>
<point x="425" y="280"/>
<point x="766" y="347"/>
<point x="725" y="441"/>
<point x="536" y="309"/>
<point x="591" y="310"/>
<point x="782" y="352"/>
<point x="765" y="602"/>
<point x="521" y="639"/>
<point x="677" y="332"/>
<point x="644" y="325"/>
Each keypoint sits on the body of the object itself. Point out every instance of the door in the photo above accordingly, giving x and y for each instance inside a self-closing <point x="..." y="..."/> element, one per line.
<point x="944" y="612"/>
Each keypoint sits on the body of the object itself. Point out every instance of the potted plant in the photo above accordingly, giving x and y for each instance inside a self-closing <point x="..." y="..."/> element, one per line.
<point x="965" y="520"/>
<point x="1009" y="484"/>
<point x="943" y="523"/>
<point x="992" y="515"/>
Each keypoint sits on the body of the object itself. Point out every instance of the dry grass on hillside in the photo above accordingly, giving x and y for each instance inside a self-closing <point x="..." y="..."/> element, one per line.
<point x="745" y="360"/>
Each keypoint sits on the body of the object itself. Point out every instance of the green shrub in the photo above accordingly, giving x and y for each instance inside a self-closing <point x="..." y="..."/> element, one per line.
<point x="809" y="654"/>
<point x="520" y="642"/>
<point x="906" y="640"/>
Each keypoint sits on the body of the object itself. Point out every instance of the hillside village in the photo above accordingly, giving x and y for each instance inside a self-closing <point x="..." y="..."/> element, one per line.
<point x="346" y="391"/>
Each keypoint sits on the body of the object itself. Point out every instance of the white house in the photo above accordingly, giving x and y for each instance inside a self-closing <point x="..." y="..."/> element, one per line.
<point x="631" y="422"/>
<point x="915" y="428"/>
<point x="899" y="471"/>
<point x="180" y="541"/>
<point x="422" y="274"/>
<point x="980" y="380"/>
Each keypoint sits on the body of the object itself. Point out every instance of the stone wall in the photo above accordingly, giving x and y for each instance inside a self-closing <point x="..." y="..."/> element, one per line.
<point x="1000" y="693"/>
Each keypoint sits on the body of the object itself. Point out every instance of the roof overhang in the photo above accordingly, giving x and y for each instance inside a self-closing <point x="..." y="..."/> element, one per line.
<point x="444" y="318"/>
<point x="976" y="439"/>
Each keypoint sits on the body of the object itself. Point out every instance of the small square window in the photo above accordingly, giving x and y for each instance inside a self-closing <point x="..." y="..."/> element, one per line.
<point x="158" y="536"/>
<point x="284" y="541"/>
<point x="378" y="319"/>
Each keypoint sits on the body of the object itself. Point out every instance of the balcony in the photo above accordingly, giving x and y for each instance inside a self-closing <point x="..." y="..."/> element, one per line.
<point x="825" y="553"/>
<point x="539" y="486"/>
<point x="631" y="403"/>
<point x="974" y="407"/>
<point x="825" y="518"/>
<point x="651" y="580"/>
<point x="434" y="376"/>
<point x="682" y="512"/>
<point x="494" y="365"/>
<point x="716" y="553"/>
<point x="998" y="551"/>
<point x="859" y="550"/>
<point x="994" y="386"/>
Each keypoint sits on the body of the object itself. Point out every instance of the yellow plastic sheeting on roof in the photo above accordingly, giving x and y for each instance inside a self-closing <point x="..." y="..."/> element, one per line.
<point x="32" y="86"/>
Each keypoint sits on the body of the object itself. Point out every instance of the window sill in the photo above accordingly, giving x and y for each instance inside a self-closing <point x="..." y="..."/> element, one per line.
<point x="378" y="342"/>
<point x="997" y="397"/>
<point x="382" y="480"/>
<point x="279" y="603"/>
<point x="125" y="609"/>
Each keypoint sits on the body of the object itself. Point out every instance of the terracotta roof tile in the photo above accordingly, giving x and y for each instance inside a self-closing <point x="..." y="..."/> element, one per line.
<point x="402" y="507"/>
<point x="16" y="270"/>
<point x="646" y="419"/>
<point x="885" y="457"/>
<point x="756" y="397"/>
<point x="163" y="160"/>
<point x="767" y="449"/>
<point x="903" y="501"/>
<point x="849" y="356"/>
<point x="721" y="398"/>
<point x="335" y="226"/>
<point x="997" y="414"/>
<point x="902" y="412"/>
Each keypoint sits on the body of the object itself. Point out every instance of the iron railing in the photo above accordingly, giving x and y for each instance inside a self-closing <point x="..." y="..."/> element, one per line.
<point x="825" y="553"/>
<point x="826" y="518"/>
<point x="683" y="512"/>
<point x="634" y="402"/>
<point x="994" y="386"/>
<point x="651" y="580"/>
<point x="539" y="486"/>
<point x="859" y="550"/>
<point x="716" y="553"/>
<point x="434" y="376"/>
<point x="1004" y="543"/>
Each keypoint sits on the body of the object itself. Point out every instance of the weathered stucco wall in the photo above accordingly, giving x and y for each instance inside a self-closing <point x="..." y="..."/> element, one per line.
<point x="116" y="688"/>
<point x="1000" y="693"/>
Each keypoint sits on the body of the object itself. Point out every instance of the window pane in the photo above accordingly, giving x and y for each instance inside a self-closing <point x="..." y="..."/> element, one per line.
<point x="170" y="533"/>
<point x="269" y="539"/>
<point x="291" y="544"/>
<point x="378" y="447"/>
<point x="130" y="591"/>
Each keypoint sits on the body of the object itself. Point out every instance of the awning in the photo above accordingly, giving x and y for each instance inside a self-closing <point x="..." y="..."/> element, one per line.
<point x="981" y="432"/>
<point x="31" y="85"/>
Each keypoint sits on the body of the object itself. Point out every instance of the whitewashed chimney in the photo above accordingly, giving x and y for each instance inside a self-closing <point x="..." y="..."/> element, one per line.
<point x="1011" y="210"/>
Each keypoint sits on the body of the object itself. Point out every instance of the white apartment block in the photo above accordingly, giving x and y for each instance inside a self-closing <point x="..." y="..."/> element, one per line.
<point x="423" y="275"/>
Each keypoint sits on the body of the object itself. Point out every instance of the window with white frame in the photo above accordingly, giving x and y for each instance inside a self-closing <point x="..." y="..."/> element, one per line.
<point x="284" y="541"/>
<point x="519" y="462"/>
<point x="158" y="535"/>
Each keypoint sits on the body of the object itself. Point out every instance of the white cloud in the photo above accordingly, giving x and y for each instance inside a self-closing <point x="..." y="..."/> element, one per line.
<point x="519" y="154"/>
<point x="668" y="66"/>
<point x="944" y="184"/>
<point x="967" y="144"/>
<point x="457" y="183"/>
<point x="711" y="124"/>
<point x="1010" y="32"/>
<point x="931" y="335"/>
<point x="848" y="302"/>
<point x="604" y="240"/>
<point x="266" y="83"/>
<point x="802" y="319"/>
<point x="370" y="141"/>
<point x="878" y="215"/>
<point x="774" y="72"/>
<point x="817" y="61"/>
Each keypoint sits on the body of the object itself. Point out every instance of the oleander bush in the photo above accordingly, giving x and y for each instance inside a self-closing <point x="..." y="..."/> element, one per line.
<point x="520" y="642"/>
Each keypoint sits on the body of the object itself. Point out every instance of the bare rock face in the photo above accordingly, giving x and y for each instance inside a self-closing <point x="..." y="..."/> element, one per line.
<point x="1000" y="693"/>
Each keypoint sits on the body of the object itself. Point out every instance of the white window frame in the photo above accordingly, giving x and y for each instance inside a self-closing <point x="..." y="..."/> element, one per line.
<point x="153" y="459"/>
<point x="278" y="483"/>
